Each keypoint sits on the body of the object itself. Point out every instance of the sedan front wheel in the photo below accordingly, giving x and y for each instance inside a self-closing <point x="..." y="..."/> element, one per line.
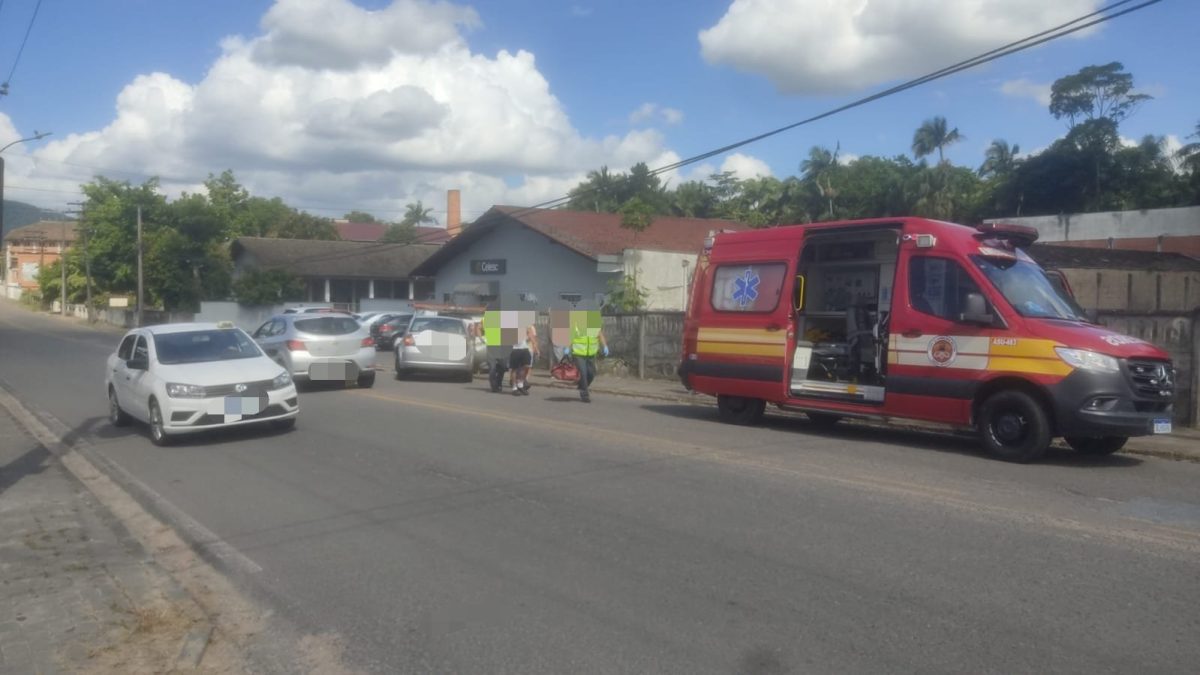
<point x="158" y="433"/>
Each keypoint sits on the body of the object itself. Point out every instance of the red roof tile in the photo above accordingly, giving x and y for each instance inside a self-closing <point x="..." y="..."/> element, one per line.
<point x="374" y="232"/>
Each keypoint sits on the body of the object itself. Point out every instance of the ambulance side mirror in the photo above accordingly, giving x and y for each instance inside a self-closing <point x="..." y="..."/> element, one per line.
<point x="976" y="311"/>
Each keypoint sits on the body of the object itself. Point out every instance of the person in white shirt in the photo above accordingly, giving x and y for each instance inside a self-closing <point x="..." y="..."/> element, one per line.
<point x="523" y="353"/>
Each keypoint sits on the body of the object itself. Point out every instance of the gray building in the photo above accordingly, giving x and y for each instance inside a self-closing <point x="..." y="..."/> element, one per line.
<point x="341" y="273"/>
<point x="558" y="259"/>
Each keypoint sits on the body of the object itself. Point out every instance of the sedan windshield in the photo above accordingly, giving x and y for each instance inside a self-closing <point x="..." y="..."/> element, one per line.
<point x="1029" y="290"/>
<point x="204" y="345"/>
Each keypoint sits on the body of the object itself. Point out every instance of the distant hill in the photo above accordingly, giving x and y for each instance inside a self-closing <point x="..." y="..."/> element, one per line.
<point x="19" y="214"/>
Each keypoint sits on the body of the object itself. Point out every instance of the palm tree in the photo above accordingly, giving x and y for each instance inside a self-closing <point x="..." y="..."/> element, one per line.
<point x="932" y="135"/>
<point x="1189" y="155"/>
<point x="820" y="164"/>
<point x="416" y="214"/>
<point x="1000" y="160"/>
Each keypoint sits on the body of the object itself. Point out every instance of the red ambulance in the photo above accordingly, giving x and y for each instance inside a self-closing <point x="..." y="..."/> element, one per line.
<point x="915" y="319"/>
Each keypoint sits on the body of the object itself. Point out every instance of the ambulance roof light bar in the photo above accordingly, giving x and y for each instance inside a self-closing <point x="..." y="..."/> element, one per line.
<point x="1019" y="235"/>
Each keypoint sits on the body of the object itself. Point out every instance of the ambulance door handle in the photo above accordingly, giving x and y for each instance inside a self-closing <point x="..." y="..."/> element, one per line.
<point x="912" y="333"/>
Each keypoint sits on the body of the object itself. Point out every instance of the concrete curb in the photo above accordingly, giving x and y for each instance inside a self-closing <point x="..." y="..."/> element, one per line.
<point x="195" y="642"/>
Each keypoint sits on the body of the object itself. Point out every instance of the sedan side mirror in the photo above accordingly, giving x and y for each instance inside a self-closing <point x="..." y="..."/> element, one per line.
<point x="138" y="363"/>
<point x="976" y="311"/>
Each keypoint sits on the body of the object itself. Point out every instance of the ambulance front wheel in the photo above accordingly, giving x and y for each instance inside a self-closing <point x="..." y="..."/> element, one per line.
<point x="740" y="410"/>
<point x="1015" y="427"/>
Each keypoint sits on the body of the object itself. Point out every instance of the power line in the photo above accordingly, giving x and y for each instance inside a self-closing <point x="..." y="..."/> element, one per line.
<point x="28" y="29"/>
<point x="1042" y="37"/>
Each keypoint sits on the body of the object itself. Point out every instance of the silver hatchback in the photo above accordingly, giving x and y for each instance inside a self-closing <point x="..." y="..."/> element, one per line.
<point x="320" y="347"/>
<point x="436" y="344"/>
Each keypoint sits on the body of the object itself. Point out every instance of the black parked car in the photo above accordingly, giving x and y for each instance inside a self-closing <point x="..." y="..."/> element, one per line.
<point x="386" y="330"/>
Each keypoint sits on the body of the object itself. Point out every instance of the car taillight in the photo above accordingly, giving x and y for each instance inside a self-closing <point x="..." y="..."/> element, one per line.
<point x="409" y="341"/>
<point x="368" y="342"/>
<point x="296" y="346"/>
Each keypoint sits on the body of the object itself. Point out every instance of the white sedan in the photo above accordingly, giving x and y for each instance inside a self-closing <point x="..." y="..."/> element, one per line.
<point x="190" y="377"/>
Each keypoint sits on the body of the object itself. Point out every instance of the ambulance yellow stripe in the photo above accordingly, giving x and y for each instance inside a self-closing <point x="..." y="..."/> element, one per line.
<point x="741" y="349"/>
<point x="1027" y="365"/>
<point x="756" y="335"/>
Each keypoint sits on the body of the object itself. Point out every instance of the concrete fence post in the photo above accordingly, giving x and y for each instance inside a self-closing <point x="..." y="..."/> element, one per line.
<point x="642" y="346"/>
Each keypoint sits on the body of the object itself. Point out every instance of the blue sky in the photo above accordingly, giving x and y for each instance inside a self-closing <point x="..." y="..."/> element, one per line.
<point x="335" y="105"/>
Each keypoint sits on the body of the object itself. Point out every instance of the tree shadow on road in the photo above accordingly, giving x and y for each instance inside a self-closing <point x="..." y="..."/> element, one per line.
<point x="32" y="462"/>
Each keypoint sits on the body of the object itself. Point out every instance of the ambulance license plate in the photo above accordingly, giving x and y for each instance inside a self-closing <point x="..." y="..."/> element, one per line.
<point x="1162" y="426"/>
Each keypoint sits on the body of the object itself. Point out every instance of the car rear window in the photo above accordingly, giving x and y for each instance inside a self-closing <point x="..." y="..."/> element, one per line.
<point x="438" y="325"/>
<point x="204" y="345"/>
<point x="328" y="325"/>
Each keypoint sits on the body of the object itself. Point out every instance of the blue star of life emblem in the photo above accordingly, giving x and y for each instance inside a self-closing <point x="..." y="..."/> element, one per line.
<point x="745" y="288"/>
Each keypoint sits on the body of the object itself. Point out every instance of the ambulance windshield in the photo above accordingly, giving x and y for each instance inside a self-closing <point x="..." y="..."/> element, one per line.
<point x="1028" y="290"/>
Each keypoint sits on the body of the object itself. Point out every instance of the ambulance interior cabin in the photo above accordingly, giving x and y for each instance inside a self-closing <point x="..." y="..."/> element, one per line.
<point x="844" y="295"/>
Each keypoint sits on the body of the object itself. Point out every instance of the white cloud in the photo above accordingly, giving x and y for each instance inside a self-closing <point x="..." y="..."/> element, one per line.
<point x="823" y="46"/>
<point x="745" y="166"/>
<point x="351" y="117"/>
<point x="652" y="112"/>
<point x="340" y="35"/>
<point x="1023" y="88"/>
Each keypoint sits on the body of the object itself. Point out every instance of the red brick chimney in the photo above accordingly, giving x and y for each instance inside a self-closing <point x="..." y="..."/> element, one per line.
<point x="453" y="213"/>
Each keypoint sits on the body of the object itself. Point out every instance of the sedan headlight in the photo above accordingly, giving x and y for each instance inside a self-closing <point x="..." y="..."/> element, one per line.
<point x="281" y="380"/>
<point x="175" y="390"/>
<point x="1081" y="358"/>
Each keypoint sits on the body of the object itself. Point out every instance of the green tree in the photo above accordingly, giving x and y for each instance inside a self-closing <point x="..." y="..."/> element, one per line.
<point x="360" y="217"/>
<point x="625" y="295"/>
<point x="229" y="201"/>
<point x="598" y="193"/>
<point x="300" y="225"/>
<point x="932" y="136"/>
<point x="1000" y="160"/>
<point x="1189" y="155"/>
<point x="636" y="215"/>
<point x="1095" y="92"/>
<point x="400" y="233"/>
<point x="259" y="287"/>
<point x="416" y="214"/>
<point x="821" y="165"/>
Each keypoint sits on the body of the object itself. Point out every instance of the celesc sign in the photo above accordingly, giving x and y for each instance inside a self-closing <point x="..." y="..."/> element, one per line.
<point x="492" y="266"/>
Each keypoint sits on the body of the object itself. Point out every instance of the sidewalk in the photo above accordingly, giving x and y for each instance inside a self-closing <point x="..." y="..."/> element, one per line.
<point x="77" y="593"/>
<point x="1183" y="445"/>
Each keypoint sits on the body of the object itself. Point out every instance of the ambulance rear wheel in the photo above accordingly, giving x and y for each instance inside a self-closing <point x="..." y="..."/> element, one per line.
<point x="1106" y="445"/>
<point x="740" y="410"/>
<point x="1015" y="427"/>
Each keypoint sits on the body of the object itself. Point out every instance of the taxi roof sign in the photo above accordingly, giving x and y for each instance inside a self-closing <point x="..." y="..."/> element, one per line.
<point x="225" y="324"/>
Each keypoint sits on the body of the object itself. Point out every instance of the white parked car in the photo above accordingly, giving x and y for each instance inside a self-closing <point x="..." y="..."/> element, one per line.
<point x="191" y="377"/>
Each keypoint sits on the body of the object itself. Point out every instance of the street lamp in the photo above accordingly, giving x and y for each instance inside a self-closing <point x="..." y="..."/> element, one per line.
<point x="35" y="137"/>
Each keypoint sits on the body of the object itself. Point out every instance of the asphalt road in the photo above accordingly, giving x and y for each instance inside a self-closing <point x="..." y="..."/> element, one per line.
<point x="434" y="527"/>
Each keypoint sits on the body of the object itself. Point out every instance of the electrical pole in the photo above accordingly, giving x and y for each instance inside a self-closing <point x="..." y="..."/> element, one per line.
<point x="62" y="265"/>
<point x="87" y="260"/>
<point x="139" y="254"/>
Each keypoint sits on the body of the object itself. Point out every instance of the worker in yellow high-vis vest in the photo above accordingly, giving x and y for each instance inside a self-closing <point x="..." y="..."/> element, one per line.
<point x="587" y="341"/>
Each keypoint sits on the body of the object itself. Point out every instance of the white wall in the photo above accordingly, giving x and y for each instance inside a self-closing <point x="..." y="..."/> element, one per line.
<point x="1116" y="224"/>
<point x="663" y="274"/>
<point x="246" y="318"/>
